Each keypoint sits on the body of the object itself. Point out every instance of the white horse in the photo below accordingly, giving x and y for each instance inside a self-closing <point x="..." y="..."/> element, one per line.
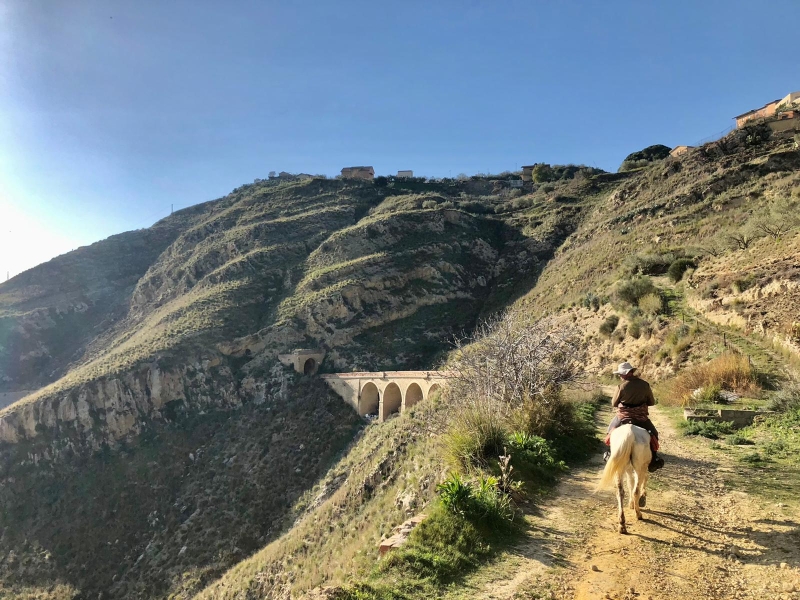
<point x="630" y="456"/>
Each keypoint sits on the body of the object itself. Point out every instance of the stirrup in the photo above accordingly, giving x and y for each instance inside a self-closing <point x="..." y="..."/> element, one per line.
<point x="606" y="455"/>
<point x="656" y="463"/>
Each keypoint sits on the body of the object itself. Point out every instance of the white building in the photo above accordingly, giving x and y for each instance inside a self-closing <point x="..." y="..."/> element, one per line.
<point x="408" y="173"/>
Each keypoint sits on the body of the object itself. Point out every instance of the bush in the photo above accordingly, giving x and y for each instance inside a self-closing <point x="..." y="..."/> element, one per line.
<point x="737" y="439"/>
<point x="482" y="501"/>
<point x="678" y="268"/>
<point x="709" y="429"/>
<point x="455" y="494"/>
<point x="591" y="301"/>
<point x="430" y="204"/>
<point x="608" y="326"/>
<point x="651" y="304"/>
<point x="731" y="372"/>
<point x="741" y="284"/>
<point x="650" y="263"/>
<point x="635" y="329"/>
<point x="630" y="291"/>
<point x="786" y="399"/>
<point x="535" y="455"/>
<point x="709" y="394"/>
<point x="645" y="157"/>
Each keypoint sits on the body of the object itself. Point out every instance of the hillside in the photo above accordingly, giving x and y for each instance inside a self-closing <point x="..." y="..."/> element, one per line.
<point x="165" y="444"/>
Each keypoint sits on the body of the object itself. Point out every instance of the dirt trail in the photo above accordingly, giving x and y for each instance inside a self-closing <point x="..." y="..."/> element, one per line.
<point x="698" y="539"/>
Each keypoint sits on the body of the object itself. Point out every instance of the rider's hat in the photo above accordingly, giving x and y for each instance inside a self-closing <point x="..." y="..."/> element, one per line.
<point x="624" y="369"/>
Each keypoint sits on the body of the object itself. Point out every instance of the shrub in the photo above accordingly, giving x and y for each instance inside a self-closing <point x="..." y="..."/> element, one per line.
<point x="482" y="501"/>
<point x="741" y="284"/>
<point x="651" y="304"/>
<point x="608" y="326"/>
<point x="635" y="329"/>
<point x="731" y="372"/>
<point x="490" y="504"/>
<point x="591" y="301"/>
<point x="630" y="291"/>
<point x="650" y="263"/>
<point x="455" y="494"/>
<point x="786" y="399"/>
<point x="709" y="394"/>
<point x="752" y="457"/>
<point x="737" y="439"/>
<point x="645" y="157"/>
<point x="535" y="455"/>
<point x="709" y="429"/>
<point x="678" y="268"/>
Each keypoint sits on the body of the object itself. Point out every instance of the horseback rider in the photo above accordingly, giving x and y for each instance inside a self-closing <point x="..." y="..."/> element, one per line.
<point x="632" y="399"/>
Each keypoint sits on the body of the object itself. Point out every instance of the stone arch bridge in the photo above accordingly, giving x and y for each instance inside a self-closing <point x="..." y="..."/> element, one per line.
<point x="387" y="392"/>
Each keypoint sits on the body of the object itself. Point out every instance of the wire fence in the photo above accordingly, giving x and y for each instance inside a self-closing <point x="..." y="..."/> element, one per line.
<point x="716" y="136"/>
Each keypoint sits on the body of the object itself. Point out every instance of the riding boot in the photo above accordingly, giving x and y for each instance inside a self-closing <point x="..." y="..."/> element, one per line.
<point x="655" y="463"/>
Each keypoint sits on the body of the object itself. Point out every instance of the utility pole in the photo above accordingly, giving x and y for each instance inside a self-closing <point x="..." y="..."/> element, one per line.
<point x="170" y="208"/>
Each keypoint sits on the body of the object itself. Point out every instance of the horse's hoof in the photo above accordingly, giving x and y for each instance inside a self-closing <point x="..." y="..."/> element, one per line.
<point x="642" y="501"/>
<point x="623" y="530"/>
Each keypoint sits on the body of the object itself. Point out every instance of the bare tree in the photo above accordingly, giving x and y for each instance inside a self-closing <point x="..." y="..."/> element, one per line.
<point x="742" y="238"/>
<point x="511" y="360"/>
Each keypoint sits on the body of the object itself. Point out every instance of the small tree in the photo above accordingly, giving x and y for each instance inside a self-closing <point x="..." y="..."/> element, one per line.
<point x="542" y="172"/>
<point x="780" y="220"/>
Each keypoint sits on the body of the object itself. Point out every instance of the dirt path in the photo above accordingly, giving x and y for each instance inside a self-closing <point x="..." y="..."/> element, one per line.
<point x="698" y="539"/>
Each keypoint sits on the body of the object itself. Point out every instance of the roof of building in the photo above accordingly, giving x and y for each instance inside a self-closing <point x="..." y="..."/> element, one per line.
<point x="357" y="168"/>
<point x="756" y="109"/>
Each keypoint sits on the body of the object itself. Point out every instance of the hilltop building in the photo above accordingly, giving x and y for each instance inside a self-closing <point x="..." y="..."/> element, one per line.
<point x="770" y="110"/>
<point x="527" y="172"/>
<point x="678" y="150"/>
<point x="408" y="173"/>
<point x="358" y="173"/>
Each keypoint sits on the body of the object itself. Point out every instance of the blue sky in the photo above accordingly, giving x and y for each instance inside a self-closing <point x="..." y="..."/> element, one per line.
<point x="112" y="110"/>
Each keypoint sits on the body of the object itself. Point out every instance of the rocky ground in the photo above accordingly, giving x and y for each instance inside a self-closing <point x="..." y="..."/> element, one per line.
<point x="700" y="538"/>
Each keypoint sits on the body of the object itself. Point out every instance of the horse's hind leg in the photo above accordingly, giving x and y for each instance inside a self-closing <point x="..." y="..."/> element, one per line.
<point x="636" y="492"/>
<point x="621" y="504"/>
<point x="629" y="475"/>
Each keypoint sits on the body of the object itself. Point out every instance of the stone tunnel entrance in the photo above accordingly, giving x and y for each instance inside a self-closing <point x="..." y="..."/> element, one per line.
<point x="370" y="400"/>
<point x="310" y="367"/>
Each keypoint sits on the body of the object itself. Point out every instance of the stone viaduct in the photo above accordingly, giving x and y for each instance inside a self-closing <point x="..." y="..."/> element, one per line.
<point x="384" y="393"/>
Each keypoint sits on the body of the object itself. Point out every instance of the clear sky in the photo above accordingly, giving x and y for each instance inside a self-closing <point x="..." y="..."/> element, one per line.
<point x="112" y="110"/>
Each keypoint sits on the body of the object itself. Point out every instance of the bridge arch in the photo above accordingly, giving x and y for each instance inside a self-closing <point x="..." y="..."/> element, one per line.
<point x="370" y="400"/>
<point x="392" y="400"/>
<point x="413" y="395"/>
<point x="434" y="389"/>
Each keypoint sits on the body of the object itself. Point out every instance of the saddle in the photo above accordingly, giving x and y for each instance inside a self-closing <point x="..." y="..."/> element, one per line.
<point x="648" y="427"/>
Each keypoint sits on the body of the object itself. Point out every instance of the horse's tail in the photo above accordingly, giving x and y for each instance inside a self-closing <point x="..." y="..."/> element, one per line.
<point x="619" y="459"/>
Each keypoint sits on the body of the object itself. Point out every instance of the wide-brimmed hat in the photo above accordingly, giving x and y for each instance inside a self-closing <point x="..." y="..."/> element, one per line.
<point x="624" y="369"/>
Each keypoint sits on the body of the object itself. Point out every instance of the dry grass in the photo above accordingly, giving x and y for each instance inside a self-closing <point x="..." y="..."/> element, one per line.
<point x="731" y="372"/>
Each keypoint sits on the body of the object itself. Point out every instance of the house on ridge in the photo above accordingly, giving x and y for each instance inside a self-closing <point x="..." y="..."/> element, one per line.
<point x="358" y="173"/>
